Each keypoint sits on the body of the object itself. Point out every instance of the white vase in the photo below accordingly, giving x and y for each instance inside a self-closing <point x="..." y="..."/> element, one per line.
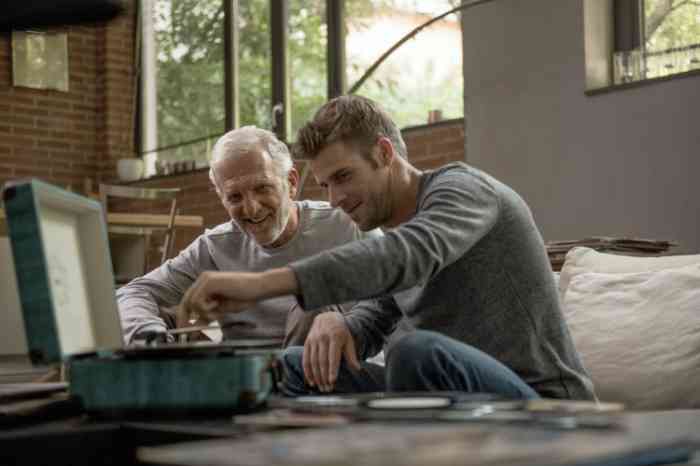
<point x="129" y="169"/>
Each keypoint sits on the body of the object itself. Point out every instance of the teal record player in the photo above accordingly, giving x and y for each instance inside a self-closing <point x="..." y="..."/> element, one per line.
<point x="66" y="288"/>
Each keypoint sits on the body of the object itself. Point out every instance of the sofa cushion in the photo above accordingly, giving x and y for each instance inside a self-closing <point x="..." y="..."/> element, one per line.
<point x="583" y="260"/>
<point x="639" y="335"/>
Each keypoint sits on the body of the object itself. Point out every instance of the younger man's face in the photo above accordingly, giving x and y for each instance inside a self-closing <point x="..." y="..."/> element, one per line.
<point x="354" y="184"/>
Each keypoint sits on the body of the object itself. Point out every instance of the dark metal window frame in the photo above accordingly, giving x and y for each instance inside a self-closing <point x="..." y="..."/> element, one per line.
<point x="231" y="45"/>
<point x="628" y="17"/>
<point x="280" y="87"/>
<point x="335" y="56"/>
<point x="279" y="73"/>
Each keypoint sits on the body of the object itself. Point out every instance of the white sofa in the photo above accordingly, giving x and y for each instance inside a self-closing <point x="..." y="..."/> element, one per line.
<point x="636" y="323"/>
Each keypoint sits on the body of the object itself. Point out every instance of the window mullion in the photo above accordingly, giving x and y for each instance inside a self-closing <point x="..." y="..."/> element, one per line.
<point x="628" y="35"/>
<point x="281" y="110"/>
<point x="335" y="53"/>
<point x="149" y="87"/>
<point x="231" y="48"/>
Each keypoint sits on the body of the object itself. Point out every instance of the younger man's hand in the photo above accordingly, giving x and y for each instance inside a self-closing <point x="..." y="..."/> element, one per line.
<point x="214" y="293"/>
<point x="329" y="339"/>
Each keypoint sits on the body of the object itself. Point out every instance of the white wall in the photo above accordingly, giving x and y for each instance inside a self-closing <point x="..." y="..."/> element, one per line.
<point x="621" y="163"/>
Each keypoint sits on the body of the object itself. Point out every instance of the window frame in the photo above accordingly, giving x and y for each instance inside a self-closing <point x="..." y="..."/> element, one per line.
<point x="280" y="90"/>
<point x="280" y="93"/>
<point x="612" y="26"/>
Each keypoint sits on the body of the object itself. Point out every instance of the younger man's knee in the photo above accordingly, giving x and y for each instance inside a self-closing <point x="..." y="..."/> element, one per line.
<point x="411" y="348"/>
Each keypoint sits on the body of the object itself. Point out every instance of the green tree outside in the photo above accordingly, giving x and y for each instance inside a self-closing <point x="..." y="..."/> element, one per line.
<point x="190" y="81"/>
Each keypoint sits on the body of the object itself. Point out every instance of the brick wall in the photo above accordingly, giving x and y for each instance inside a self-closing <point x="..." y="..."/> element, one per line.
<point x="68" y="137"/>
<point x="51" y="134"/>
<point x="118" y="111"/>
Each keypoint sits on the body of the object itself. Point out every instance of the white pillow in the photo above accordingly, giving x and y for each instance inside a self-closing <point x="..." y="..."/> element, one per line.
<point x="639" y="335"/>
<point x="581" y="260"/>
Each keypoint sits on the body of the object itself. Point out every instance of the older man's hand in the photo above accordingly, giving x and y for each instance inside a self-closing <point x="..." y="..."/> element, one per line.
<point x="328" y="341"/>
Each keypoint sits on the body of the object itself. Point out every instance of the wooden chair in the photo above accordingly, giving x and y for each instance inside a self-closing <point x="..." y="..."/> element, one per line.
<point x="139" y="196"/>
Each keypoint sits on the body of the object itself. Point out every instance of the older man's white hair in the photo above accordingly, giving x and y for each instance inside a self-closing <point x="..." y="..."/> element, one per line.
<point x="247" y="139"/>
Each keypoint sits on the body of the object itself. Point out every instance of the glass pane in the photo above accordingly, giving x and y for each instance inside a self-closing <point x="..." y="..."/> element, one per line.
<point x="190" y="74"/>
<point x="255" y="63"/>
<point x="421" y="79"/>
<point x="307" y="59"/>
<point x="672" y="36"/>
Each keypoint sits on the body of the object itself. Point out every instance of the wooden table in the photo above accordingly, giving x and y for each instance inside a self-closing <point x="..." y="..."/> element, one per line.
<point x="666" y="437"/>
<point x="154" y="220"/>
<point x="129" y="220"/>
<point x="642" y="438"/>
<point x="142" y="220"/>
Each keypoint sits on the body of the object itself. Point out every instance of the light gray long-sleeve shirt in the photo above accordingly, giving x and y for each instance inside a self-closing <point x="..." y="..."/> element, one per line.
<point x="471" y="265"/>
<point x="228" y="248"/>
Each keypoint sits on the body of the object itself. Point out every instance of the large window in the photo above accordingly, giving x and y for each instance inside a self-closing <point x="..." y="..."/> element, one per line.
<point x="184" y="82"/>
<point x="671" y="36"/>
<point x="209" y="65"/>
<point x="185" y="86"/>
<point x="254" y="63"/>
<point x="308" y="39"/>
<point x="421" y="79"/>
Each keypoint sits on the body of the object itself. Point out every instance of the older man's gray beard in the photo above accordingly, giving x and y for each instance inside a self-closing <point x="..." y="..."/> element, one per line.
<point x="284" y="214"/>
<point x="279" y="228"/>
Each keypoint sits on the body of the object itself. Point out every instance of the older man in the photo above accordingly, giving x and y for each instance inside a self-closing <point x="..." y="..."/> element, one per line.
<point x="254" y="177"/>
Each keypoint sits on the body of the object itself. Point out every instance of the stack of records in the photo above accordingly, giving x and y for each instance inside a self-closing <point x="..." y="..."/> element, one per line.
<point x="617" y="245"/>
<point x="325" y="410"/>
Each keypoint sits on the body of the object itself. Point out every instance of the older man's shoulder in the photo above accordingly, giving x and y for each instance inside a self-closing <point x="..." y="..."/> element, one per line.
<point x="321" y="210"/>
<point x="319" y="214"/>
<point x="223" y="229"/>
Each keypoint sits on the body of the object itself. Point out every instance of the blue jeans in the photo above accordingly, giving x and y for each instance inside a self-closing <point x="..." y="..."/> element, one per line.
<point x="419" y="361"/>
<point x="369" y="379"/>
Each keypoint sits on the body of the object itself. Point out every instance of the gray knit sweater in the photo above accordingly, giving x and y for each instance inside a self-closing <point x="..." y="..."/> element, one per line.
<point x="470" y="264"/>
<point x="228" y="248"/>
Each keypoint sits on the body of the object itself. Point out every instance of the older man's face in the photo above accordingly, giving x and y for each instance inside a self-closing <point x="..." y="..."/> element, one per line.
<point x="257" y="198"/>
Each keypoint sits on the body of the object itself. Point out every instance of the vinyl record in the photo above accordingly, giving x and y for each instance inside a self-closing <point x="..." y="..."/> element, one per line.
<point x="203" y="348"/>
<point x="327" y="400"/>
<point x="410" y="402"/>
<point x="317" y="404"/>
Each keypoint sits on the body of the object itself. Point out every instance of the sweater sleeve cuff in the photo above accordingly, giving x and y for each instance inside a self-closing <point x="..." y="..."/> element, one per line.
<point x="143" y="329"/>
<point x="310" y="295"/>
<point x="356" y="331"/>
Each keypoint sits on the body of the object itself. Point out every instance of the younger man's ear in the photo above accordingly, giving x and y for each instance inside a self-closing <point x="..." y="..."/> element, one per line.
<point x="293" y="179"/>
<point x="386" y="151"/>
